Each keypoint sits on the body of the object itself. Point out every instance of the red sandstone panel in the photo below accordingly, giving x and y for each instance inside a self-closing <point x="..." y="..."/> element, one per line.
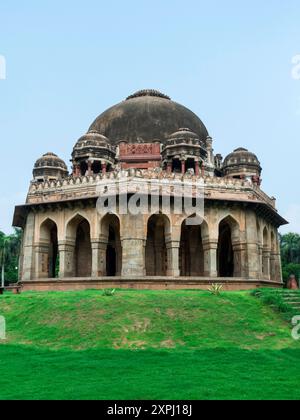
<point x="138" y="153"/>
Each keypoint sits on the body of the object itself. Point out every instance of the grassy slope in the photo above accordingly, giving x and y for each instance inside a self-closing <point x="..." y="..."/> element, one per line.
<point x="143" y="345"/>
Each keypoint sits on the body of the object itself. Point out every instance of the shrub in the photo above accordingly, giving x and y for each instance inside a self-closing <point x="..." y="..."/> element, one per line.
<point x="216" y="289"/>
<point x="109" y="292"/>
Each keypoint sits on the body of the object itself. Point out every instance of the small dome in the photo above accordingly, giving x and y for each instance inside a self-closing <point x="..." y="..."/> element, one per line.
<point x="50" y="160"/>
<point x="93" y="145"/>
<point x="92" y="139"/>
<point x="242" y="162"/>
<point x="49" y="166"/>
<point x="184" y="134"/>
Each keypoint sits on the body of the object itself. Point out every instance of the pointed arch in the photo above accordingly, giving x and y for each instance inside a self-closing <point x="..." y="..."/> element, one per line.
<point x="48" y="261"/>
<point x="110" y="232"/>
<point x="229" y="259"/>
<point x="191" y="252"/>
<point x="158" y="235"/>
<point x="78" y="231"/>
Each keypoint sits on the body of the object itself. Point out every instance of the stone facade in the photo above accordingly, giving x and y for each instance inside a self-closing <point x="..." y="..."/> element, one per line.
<point x="69" y="243"/>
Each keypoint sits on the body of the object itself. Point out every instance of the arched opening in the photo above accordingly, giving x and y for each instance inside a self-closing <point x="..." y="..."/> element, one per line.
<point x="83" y="250"/>
<point x="229" y="259"/>
<point x="49" y="261"/>
<point x="176" y="166"/>
<point x="156" y="249"/>
<point x="78" y="233"/>
<point x="190" y="164"/>
<point x="83" y="168"/>
<point x="113" y="256"/>
<point x="191" y="252"/>
<point x="96" y="167"/>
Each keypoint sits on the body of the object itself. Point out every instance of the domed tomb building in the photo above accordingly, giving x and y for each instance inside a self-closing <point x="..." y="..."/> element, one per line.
<point x="144" y="157"/>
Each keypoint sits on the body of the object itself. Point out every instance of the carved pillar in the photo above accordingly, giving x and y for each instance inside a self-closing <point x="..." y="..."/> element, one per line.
<point x="28" y="249"/>
<point x="104" y="167"/>
<point x="260" y="261"/>
<point x="173" y="258"/>
<point x="90" y="171"/>
<point x="253" y="257"/>
<point x="240" y="259"/>
<point x="183" y="167"/>
<point x="169" y="167"/>
<point x="197" y="168"/>
<point x="266" y="263"/>
<point x="210" y="248"/>
<point x="66" y="259"/>
<point x="42" y="261"/>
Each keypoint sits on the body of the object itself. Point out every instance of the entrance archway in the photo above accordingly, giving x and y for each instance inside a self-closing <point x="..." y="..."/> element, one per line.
<point x="113" y="254"/>
<point x="78" y="232"/>
<point x="191" y="251"/>
<point x="49" y="261"/>
<point x="156" y="249"/>
<point x="229" y="260"/>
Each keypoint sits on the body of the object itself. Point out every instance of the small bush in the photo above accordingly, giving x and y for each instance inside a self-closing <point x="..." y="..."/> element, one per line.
<point x="215" y="289"/>
<point x="109" y="292"/>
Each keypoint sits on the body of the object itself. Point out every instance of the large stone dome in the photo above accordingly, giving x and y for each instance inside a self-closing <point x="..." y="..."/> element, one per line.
<point x="147" y="116"/>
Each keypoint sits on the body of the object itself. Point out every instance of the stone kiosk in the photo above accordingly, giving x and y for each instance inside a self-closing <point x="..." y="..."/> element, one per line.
<point x="148" y="139"/>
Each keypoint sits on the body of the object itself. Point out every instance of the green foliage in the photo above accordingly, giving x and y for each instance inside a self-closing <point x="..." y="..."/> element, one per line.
<point x="109" y="292"/>
<point x="215" y="289"/>
<point x="9" y="254"/>
<point x="290" y="252"/>
<point x="275" y="299"/>
<point x="290" y="248"/>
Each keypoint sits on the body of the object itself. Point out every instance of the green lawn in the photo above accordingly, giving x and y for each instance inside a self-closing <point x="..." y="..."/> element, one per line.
<point x="146" y="345"/>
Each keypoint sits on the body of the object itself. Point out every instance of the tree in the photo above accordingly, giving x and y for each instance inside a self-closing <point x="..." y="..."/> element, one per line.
<point x="9" y="255"/>
<point x="290" y="248"/>
<point x="290" y="252"/>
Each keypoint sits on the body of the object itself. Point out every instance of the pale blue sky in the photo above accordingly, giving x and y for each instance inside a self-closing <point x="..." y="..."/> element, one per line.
<point x="228" y="61"/>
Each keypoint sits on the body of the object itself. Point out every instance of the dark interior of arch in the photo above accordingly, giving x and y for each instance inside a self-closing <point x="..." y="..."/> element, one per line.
<point x="156" y="250"/>
<point x="225" y="251"/>
<point x="83" y="250"/>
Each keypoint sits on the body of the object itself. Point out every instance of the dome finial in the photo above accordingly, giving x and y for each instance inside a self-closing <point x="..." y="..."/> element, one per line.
<point x="148" y="92"/>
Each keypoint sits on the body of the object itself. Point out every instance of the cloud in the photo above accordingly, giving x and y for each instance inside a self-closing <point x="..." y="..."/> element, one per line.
<point x="293" y="216"/>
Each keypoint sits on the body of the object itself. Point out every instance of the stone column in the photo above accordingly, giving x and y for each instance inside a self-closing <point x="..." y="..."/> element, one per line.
<point x="266" y="263"/>
<point x="210" y="248"/>
<point x="272" y="266"/>
<point x="133" y="261"/>
<point x="240" y="259"/>
<point x="90" y="163"/>
<point x="104" y="167"/>
<point x="183" y="167"/>
<point x="278" y="268"/>
<point x="42" y="261"/>
<point x="98" y="258"/>
<point x="253" y="257"/>
<point x="28" y="249"/>
<point x="260" y="261"/>
<point x="173" y="258"/>
<point x="66" y="251"/>
<point x="169" y="167"/>
<point x="197" y="168"/>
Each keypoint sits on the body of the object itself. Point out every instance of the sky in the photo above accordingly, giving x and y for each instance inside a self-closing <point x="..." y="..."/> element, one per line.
<point x="230" y="62"/>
